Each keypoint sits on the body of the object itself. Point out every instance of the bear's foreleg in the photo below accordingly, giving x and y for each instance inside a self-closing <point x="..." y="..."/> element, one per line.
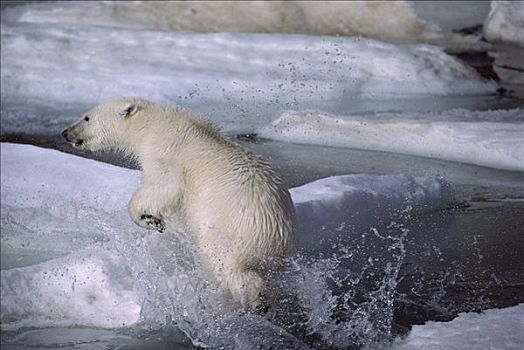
<point x="145" y="210"/>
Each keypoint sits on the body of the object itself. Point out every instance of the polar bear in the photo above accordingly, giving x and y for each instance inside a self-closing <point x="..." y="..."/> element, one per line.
<point x="228" y="197"/>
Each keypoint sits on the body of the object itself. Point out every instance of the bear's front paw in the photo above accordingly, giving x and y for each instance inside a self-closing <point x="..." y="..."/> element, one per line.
<point x="153" y="222"/>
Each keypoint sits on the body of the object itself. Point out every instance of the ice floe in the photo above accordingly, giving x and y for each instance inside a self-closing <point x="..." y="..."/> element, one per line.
<point x="487" y="138"/>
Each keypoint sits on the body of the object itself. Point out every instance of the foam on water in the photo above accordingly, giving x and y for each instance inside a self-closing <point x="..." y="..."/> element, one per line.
<point x="113" y="274"/>
<point x="487" y="138"/>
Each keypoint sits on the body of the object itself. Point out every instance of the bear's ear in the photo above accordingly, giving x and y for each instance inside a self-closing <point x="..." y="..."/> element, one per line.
<point x="129" y="110"/>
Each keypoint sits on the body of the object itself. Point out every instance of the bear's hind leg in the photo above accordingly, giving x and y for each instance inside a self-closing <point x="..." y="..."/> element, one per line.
<point x="247" y="288"/>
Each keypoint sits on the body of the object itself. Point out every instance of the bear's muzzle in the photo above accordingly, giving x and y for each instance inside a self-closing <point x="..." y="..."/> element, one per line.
<point x="73" y="141"/>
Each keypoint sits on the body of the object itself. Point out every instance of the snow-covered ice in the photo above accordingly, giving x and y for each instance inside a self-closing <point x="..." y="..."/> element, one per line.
<point x="387" y="21"/>
<point x="504" y="27"/>
<point x="487" y="138"/>
<point x="91" y="288"/>
<point x="87" y="64"/>
<point x="492" y="329"/>
<point x="505" y="22"/>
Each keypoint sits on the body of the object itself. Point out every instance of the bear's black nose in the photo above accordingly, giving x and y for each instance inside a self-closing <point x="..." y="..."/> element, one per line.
<point x="64" y="134"/>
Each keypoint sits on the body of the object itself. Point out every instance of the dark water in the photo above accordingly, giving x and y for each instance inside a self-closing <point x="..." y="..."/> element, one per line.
<point x="466" y="258"/>
<point x="461" y="260"/>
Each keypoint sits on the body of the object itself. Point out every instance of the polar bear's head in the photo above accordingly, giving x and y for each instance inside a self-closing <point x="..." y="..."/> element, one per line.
<point x="107" y="125"/>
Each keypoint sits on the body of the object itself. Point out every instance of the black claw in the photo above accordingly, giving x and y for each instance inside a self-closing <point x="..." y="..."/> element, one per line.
<point x="262" y="309"/>
<point x="153" y="221"/>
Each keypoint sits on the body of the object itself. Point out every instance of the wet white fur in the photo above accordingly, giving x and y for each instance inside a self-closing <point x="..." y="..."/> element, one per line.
<point x="228" y="197"/>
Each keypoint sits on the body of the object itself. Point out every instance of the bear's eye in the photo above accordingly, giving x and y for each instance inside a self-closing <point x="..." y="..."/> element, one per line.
<point x="86" y="118"/>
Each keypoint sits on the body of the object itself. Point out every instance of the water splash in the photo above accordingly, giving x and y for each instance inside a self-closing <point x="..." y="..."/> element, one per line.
<point x="338" y="296"/>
